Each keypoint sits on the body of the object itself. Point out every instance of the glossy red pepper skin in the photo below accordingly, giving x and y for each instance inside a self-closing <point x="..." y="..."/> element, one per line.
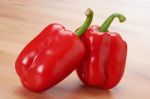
<point x="49" y="58"/>
<point x="104" y="63"/>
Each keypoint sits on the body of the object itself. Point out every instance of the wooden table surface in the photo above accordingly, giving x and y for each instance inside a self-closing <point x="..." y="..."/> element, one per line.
<point x="22" y="20"/>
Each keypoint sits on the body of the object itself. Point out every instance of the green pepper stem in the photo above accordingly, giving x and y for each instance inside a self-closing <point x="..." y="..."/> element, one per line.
<point x="86" y="24"/>
<point x="109" y="20"/>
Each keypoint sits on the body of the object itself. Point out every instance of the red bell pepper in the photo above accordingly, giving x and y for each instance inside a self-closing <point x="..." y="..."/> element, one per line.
<point x="104" y="63"/>
<point x="51" y="56"/>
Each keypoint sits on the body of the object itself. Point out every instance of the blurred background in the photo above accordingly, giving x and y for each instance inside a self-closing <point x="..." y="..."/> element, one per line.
<point x="21" y="21"/>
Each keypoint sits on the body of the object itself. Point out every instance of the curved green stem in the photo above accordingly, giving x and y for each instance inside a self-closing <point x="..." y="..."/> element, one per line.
<point x="109" y="20"/>
<point x="86" y="24"/>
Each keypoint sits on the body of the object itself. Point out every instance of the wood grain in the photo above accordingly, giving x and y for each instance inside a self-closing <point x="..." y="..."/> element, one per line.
<point x="22" y="20"/>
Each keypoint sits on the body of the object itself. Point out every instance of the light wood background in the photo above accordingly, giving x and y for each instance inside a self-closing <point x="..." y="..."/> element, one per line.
<point x="22" y="20"/>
